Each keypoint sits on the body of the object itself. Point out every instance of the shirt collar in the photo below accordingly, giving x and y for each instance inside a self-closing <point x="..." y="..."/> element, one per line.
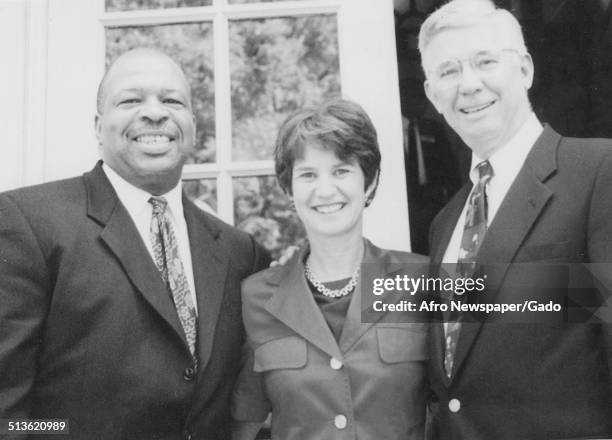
<point x="508" y="160"/>
<point x="136" y="199"/>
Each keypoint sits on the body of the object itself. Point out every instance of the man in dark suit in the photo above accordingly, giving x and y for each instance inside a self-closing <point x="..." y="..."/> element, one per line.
<point x="123" y="319"/>
<point x="536" y="198"/>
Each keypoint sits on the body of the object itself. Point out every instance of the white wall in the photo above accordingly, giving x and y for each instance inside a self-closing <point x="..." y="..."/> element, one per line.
<point x="75" y="66"/>
<point x="47" y="86"/>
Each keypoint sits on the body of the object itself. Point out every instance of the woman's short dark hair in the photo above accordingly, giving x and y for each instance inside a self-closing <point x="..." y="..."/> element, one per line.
<point x="341" y="126"/>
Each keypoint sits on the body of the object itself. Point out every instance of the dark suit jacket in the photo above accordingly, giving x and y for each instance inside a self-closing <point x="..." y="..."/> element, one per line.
<point x="88" y="330"/>
<point x="532" y="380"/>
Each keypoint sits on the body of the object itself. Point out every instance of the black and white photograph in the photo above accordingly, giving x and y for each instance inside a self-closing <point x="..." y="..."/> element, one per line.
<point x="306" y="219"/>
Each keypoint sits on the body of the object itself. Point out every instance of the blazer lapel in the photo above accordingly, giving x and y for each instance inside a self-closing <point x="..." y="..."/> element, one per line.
<point x="523" y="204"/>
<point x="293" y="304"/>
<point x="210" y="263"/>
<point x="122" y="238"/>
<point x="353" y="328"/>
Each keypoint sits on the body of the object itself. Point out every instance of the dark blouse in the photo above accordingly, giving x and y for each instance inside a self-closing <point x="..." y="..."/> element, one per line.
<point x="333" y="309"/>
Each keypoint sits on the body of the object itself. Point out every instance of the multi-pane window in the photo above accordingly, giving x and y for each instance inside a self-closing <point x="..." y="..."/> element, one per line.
<point x="249" y="67"/>
<point x="250" y="63"/>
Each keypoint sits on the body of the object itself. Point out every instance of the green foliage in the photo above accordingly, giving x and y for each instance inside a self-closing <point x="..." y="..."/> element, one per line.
<point x="277" y="66"/>
<point x="203" y="193"/>
<point x="262" y="209"/>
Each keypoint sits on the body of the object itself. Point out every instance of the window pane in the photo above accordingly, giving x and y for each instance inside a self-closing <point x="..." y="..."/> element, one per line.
<point x="130" y="5"/>
<point x="262" y="209"/>
<point x="278" y="65"/>
<point x="191" y="45"/>
<point x="203" y="193"/>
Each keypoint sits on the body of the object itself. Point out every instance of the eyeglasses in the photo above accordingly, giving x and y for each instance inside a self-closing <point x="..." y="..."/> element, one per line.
<point x="448" y="74"/>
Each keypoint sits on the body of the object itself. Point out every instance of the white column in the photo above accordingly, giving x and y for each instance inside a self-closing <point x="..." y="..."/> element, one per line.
<point x="368" y="65"/>
<point x="35" y="94"/>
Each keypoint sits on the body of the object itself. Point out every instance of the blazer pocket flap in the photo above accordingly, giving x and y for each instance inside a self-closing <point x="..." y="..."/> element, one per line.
<point x="287" y="352"/>
<point x="401" y="344"/>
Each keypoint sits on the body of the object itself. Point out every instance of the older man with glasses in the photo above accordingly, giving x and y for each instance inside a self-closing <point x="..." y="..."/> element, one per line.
<point x="537" y="210"/>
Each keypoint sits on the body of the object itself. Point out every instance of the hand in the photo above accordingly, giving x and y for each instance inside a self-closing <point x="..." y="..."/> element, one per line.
<point x="286" y="256"/>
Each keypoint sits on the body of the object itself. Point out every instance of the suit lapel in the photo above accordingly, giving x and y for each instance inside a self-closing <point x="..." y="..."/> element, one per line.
<point x="293" y="304"/>
<point x="123" y="240"/>
<point x="448" y="220"/>
<point x="523" y="204"/>
<point x="210" y="264"/>
<point x="437" y="348"/>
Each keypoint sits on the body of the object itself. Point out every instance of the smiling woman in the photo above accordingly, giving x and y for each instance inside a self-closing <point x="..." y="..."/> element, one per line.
<point x="328" y="193"/>
<point x="327" y="160"/>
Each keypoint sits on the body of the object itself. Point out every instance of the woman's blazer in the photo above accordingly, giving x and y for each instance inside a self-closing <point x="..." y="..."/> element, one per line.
<point x="369" y="385"/>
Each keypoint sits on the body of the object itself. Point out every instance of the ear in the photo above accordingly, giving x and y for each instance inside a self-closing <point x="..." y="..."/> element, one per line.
<point x="98" y="127"/>
<point x="370" y="190"/>
<point x="527" y="70"/>
<point x="431" y="95"/>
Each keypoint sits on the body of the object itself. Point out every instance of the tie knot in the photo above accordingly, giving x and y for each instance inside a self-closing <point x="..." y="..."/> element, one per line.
<point x="485" y="171"/>
<point x="159" y="204"/>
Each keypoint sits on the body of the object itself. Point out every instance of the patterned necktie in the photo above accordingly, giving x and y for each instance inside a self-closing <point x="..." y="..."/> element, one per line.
<point x="168" y="262"/>
<point x="473" y="234"/>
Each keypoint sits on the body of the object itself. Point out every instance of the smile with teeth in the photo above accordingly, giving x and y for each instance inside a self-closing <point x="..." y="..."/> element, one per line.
<point x="153" y="139"/>
<point x="328" y="209"/>
<point x="470" y="110"/>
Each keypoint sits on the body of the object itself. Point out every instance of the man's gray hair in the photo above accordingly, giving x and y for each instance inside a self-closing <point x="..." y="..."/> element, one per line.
<point x="466" y="13"/>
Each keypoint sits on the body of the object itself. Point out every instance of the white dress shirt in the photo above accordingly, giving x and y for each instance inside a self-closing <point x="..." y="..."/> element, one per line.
<point x="506" y="163"/>
<point x="136" y="202"/>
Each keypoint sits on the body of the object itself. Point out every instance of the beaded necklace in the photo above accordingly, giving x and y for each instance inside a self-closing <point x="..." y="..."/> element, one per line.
<point x="336" y="293"/>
